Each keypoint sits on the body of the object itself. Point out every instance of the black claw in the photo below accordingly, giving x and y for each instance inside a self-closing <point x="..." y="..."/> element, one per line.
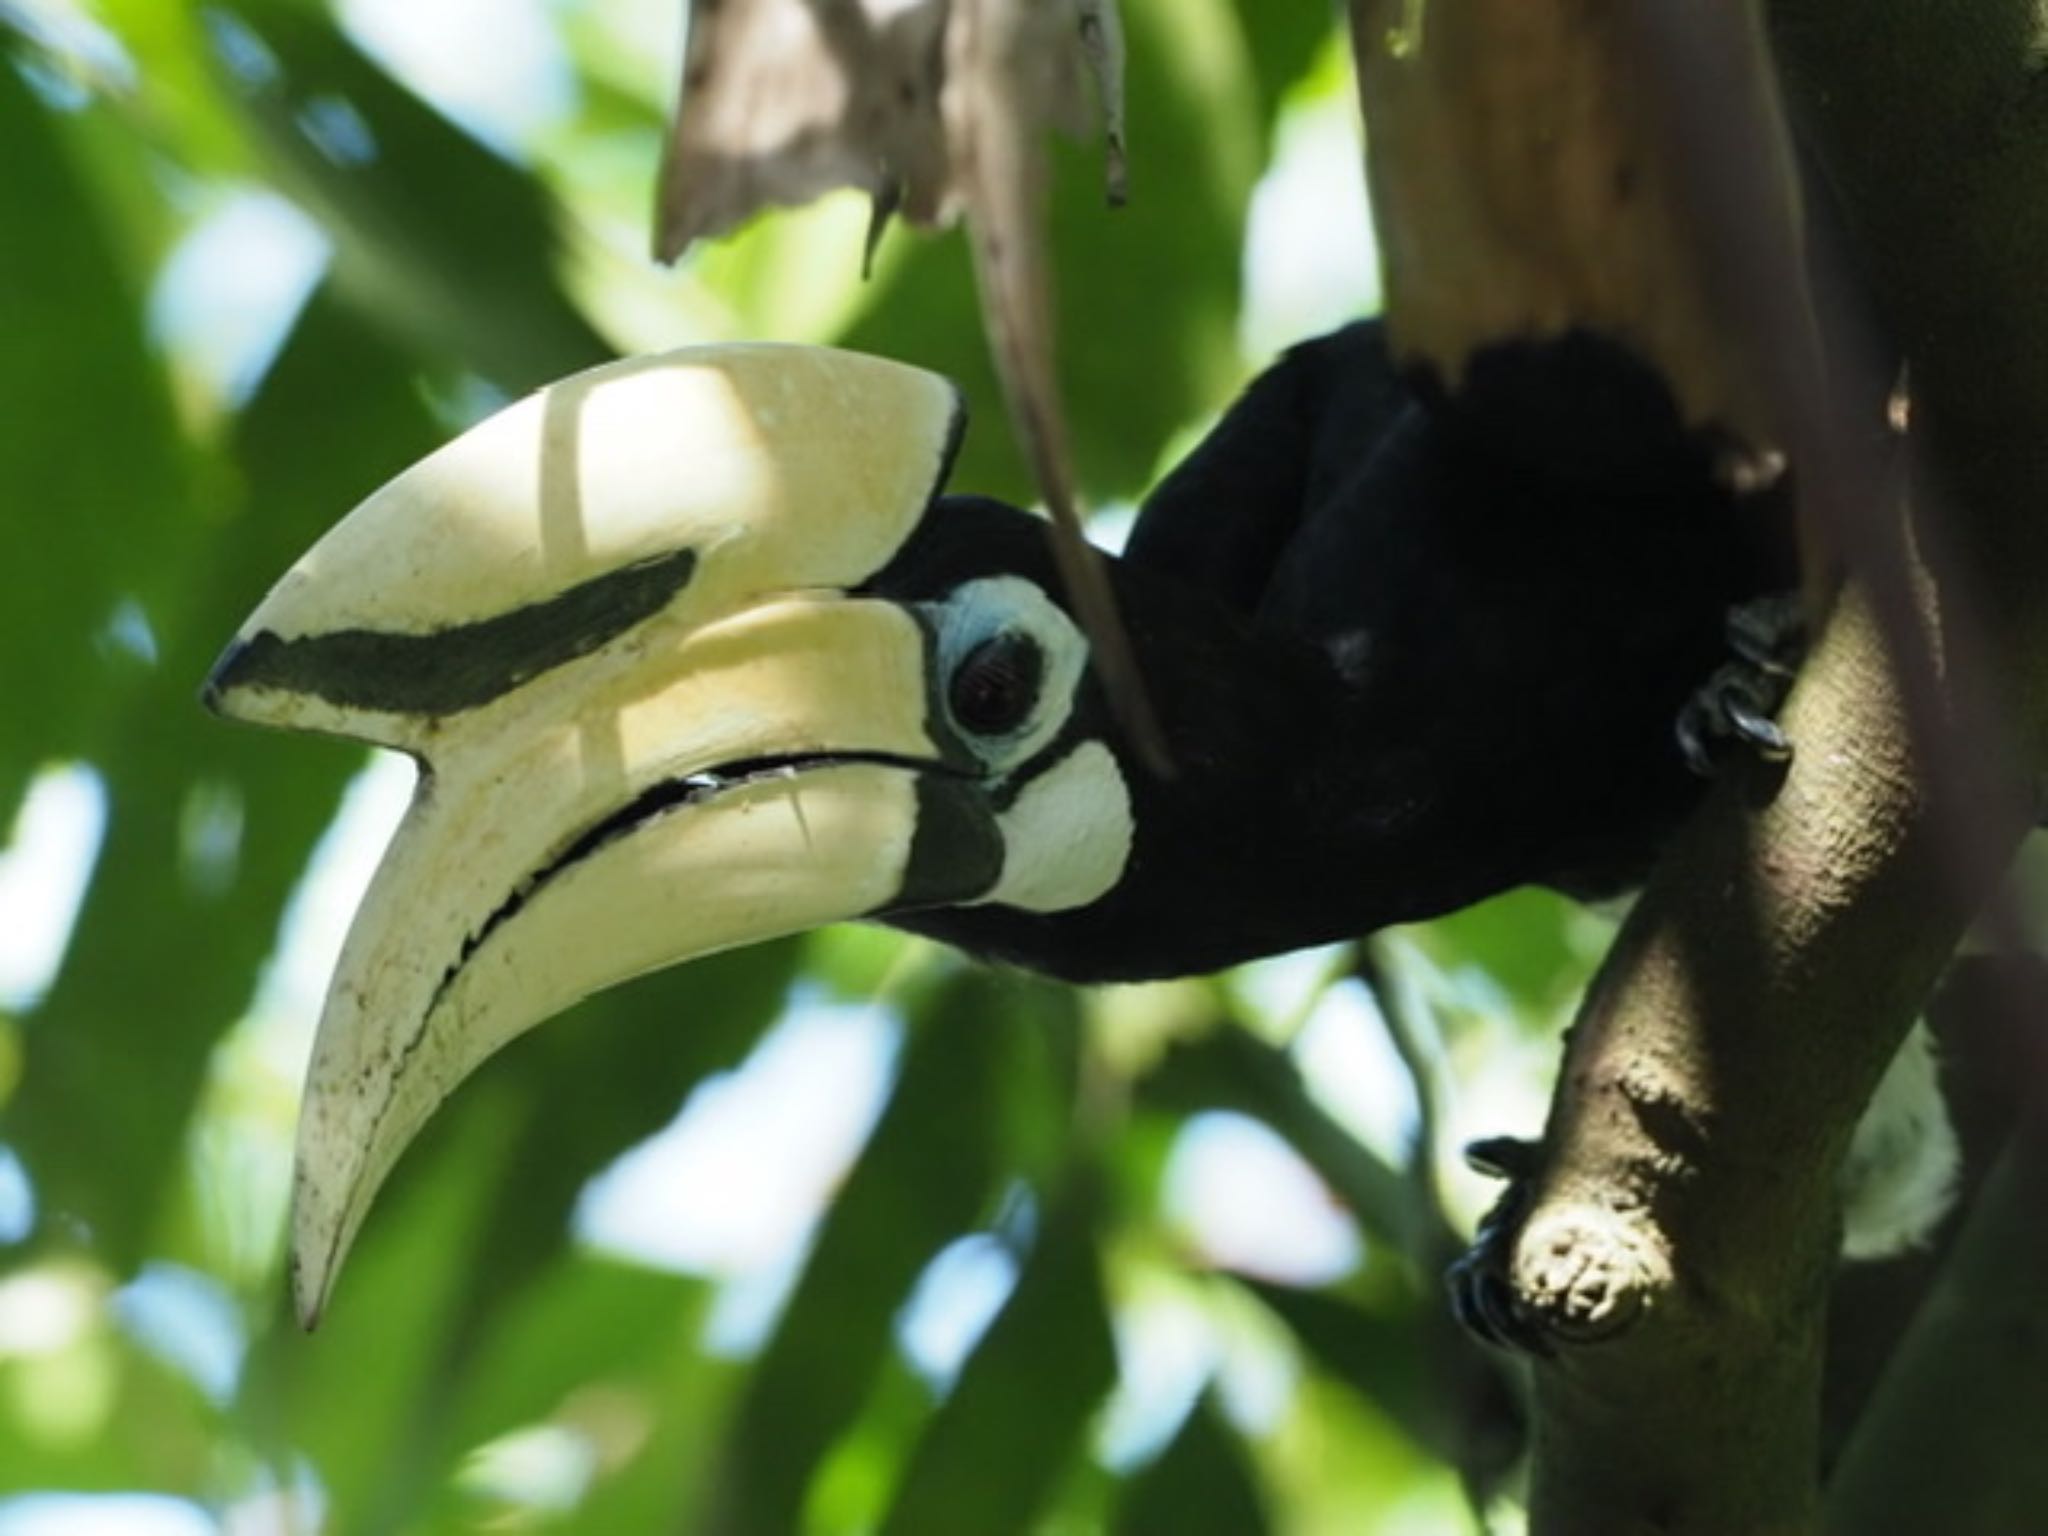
<point x="1764" y="735"/>
<point x="1769" y="633"/>
<point x="1482" y="1297"/>
<point x="1458" y="1286"/>
<point x="1502" y="1157"/>
<point x="1485" y="1305"/>
<point x="1692" y="738"/>
<point x="1471" y="1305"/>
<point x="1509" y="1328"/>
<point x="1767" y="637"/>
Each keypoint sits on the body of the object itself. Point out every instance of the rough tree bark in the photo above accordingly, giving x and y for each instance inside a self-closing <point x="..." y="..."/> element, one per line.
<point x="1681" y="1237"/>
<point x="1934" y="123"/>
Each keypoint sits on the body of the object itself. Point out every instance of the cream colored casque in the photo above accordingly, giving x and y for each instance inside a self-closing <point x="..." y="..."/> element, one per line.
<point x="616" y="626"/>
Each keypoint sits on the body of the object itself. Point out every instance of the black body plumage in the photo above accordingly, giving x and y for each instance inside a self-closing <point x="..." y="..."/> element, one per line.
<point x="1409" y="651"/>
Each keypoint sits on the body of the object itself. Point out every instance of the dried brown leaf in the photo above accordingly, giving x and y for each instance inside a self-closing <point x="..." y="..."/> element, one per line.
<point x="784" y="100"/>
<point x="934" y="107"/>
<point x="1009" y="62"/>
<point x="1102" y="45"/>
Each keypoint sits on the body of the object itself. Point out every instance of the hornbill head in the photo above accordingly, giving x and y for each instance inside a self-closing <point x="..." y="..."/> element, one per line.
<point x="689" y="657"/>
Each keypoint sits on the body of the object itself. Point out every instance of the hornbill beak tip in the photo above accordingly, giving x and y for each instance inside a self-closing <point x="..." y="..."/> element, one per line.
<point x="214" y="693"/>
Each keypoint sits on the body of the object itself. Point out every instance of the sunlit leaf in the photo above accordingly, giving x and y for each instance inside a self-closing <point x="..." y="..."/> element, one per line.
<point x="437" y="240"/>
<point x="1228" y="1069"/>
<point x="1283" y="38"/>
<point x="99" y="495"/>
<point x="1526" y="942"/>
<point x="1201" y="1485"/>
<point x="361" y="1396"/>
<point x="166" y="952"/>
<point x="1015" y="1419"/>
<point x="928" y="1174"/>
<point x="1413" y="1364"/>
<point x="606" y="1353"/>
<point x="175" y="81"/>
<point x="95" y="1412"/>
<point x="662" y="1485"/>
<point x="853" y="1486"/>
<point x="587" y="1318"/>
<point x="597" y="1080"/>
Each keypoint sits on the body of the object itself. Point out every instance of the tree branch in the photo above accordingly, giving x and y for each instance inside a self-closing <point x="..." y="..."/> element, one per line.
<point x="1683" y="1230"/>
<point x="1680" y="1238"/>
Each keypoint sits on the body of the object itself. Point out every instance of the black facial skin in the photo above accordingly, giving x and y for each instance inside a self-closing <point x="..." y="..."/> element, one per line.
<point x="1404" y="660"/>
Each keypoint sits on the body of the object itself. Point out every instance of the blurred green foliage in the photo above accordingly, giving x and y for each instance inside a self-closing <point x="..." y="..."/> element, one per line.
<point x="146" y="1093"/>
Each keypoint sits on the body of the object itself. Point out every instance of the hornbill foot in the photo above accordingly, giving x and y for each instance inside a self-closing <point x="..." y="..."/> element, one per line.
<point x="1482" y="1294"/>
<point x="1734" y="706"/>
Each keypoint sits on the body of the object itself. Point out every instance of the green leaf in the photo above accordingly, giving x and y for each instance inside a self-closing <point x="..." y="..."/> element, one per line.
<point x="1527" y="942"/>
<point x="1284" y="37"/>
<point x="169" y="939"/>
<point x="1201" y="1485"/>
<point x="657" y="1489"/>
<point x="928" y="1174"/>
<point x="1411" y="1361"/>
<point x="853" y="1485"/>
<point x="1229" y="1069"/>
<point x="176" y="89"/>
<point x="998" y="1446"/>
<point x="360" y="1396"/>
<point x="101" y="1415"/>
<point x="585" y="1319"/>
<point x="98" y="502"/>
<point x="1379" y="1354"/>
<point x="436" y="239"/>
<point x="568" y="1098"/>
<point x="593" y="1082"/>
<point x="607" y="1350"/>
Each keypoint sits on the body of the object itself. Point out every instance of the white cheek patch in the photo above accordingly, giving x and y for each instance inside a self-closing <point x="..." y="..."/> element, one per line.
<point x="1068" y="836"/>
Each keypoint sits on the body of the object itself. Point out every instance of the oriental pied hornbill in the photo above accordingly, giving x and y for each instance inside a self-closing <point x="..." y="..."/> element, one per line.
<point x="692" y="653"/>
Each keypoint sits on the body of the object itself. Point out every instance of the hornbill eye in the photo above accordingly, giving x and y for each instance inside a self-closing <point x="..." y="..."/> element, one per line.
<point x="996" y="686"/>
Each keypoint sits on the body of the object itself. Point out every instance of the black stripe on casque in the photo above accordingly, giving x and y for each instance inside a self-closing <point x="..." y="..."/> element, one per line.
<point x="463" y="666"/>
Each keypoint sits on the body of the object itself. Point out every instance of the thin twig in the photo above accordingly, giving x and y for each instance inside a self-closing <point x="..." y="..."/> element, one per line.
<point x="1369" y="967"/>
<point x="1472" y="1383"/>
